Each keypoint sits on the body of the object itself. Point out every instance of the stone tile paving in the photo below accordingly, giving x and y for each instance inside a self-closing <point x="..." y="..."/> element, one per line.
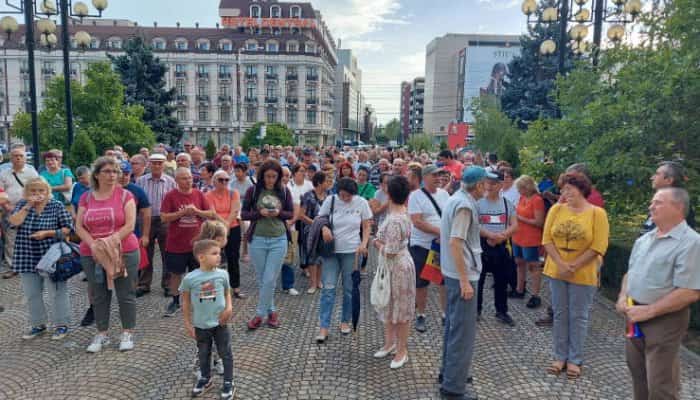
<point x="286" y="364"/>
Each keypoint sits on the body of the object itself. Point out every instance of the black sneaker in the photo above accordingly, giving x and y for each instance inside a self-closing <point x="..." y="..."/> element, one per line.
<point x="420" y="324"/>
<point x="203" y="384"/>
<point x="140" y="292"/>
<point x="171" y="310"/>
<point x="514" y="294"/>
<point x="228" y="390"/>
<point x="505" y="318"/>
<point x="89" y="317"/>
<point x="534" y="302"/>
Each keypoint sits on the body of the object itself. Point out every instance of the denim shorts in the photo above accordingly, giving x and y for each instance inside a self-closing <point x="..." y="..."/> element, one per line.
<point x="530" y="254"/>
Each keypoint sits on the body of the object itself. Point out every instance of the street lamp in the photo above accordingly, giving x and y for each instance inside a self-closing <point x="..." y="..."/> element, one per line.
<point x="44" y="10"/>
<point x="618" y="14"/>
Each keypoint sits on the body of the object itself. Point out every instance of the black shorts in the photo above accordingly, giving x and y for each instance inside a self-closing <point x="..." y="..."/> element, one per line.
<point x="180" y="263"/>
<point x="419" y="255"/>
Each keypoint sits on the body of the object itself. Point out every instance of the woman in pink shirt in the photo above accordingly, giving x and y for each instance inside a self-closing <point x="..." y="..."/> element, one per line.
<point x="109" y="212"/>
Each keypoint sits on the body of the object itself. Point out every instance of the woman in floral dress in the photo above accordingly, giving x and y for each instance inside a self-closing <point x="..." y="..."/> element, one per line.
<point x="392" y="242"/>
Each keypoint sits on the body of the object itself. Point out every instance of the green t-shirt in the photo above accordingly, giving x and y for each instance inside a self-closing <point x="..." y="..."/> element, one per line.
<point x="366" y="191"/>
<point x="269" y="226"/>
<point x="58" y="179"/>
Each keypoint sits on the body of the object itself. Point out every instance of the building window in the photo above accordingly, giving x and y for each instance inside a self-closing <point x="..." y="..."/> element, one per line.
<point x="251" y="45"/>
<point x="275" y="12"/>
<point x="250" y="114"/>
<point x="180" y="87"/>
<point x="250" y="91"/>
<point x="202" y="114"/>
<point x="251" y="69"/>
<point x="270" y="70"/>
<point x="270" y="115"/>
<point x="311" y="117"/>
<point x="271" y="91"/>
<point x="225" y="45"/>
<point x="225" y="114"/>
<point x="159" y="44"/>
<point x="276" y="31"/>
<point x="203" y="45"/>
<point x="310" y="47"/>
<point x="224" y="69"/>
<point x="225" y="90"/>
<point x="295" y="12"/>
<point x="311" y="71"/>
<point x="202" y="89"/>
<point x="202" y="69"/>
<point x="114" y="43"/>
<point x="181" y="114"/>
<point x="292" y="116"/>
<point x="181" y="44"/>
<point x="255" y="11"/>
<point x="272" y="47"/>
<point x="95" y="43"/>
<point x="292" y="47"/>
<point x="310" y="92"/>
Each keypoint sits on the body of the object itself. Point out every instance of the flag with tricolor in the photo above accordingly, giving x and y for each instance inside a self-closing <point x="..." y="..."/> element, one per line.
<point x="431" y="269"/>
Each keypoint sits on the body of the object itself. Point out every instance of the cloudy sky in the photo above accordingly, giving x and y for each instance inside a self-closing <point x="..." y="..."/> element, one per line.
<point x="389" y="36"/>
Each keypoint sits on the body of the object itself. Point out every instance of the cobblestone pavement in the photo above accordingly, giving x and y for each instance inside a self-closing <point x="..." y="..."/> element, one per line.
<point x="285" y="363"/>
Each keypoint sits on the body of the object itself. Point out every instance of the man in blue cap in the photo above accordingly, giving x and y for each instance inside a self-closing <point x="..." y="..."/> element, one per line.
<point x="460" y="261"/>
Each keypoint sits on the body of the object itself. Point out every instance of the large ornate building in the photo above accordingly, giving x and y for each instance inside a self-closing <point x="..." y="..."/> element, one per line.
<point x="266" y="61"/>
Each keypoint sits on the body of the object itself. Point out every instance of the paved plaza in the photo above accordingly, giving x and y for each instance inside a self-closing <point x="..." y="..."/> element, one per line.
<point x="285" y="363"/>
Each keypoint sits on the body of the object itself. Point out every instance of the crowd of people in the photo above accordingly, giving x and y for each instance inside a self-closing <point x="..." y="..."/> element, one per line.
<point x="324" y="211"/>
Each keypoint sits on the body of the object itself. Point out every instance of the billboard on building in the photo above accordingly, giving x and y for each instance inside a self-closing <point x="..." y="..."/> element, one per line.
<point x="457" y="135"/>
<point x="482" y="71"/>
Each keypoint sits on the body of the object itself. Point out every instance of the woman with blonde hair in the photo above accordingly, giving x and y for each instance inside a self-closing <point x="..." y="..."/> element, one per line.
<point x="528" y="239"/>
<point x="41" y="221"/>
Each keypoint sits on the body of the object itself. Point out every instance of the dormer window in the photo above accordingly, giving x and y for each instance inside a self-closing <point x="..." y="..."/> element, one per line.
<point x="255" y="11"/>
<point x="181" y="44"/>
<point x="95" y="43"/>
<point x="272" y="46"/>
<point x="275" y="12"/>
<point x="251" y="45"/>
<point x="295" y="12"/>
<point x="310" y="47"/>
<point x="158" y="44"/>
<point x="225" y="45"/>
<point x="203" y="45"/>
<point x="292" y="47"/>
<point x="114" y="43"/>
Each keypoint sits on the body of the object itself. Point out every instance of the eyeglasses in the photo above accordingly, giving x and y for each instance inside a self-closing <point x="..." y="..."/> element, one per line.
<point x="109" y="171"/>
<point x="223" y="180"/>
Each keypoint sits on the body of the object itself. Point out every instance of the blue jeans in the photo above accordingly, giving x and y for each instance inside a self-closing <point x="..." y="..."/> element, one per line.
<point x="287" y="277"/>
<point x="33" y="286"/>
<point x="572" y="307"/>
<point x="267" y="254"/>
<point x="460" y="333"/>
<point x="333" y="267"/>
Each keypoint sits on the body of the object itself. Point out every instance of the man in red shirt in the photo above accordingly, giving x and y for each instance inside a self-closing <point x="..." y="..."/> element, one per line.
<point x="183" y="209"/>
<point x="446" y="159"/>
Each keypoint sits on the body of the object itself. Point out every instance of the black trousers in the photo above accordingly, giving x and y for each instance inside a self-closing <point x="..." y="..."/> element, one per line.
<point x="498" y="262"/>
<point x="233" y="255"/>
<point x="159" y="231"/>
<point x="221" y="335"/>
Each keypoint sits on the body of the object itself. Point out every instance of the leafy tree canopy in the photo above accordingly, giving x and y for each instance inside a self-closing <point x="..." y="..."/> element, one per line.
<point x="275" y="134"/>
<point x="494" y="131"/>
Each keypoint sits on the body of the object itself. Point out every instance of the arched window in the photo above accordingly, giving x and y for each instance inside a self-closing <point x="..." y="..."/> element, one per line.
<point x="251" y="45"/>
<point x="295" y="12"/>
<point x="203" y="44"/>
<point x="158" y="44"/>
<point x="275" y="12"/>
<point x="225" y="45"/>
<point x="272" y="46"/>
<point x="255" y="11"/>
<point x="181" y="44"/>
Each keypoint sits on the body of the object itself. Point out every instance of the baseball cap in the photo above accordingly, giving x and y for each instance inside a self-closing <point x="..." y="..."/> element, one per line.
<point x="431" y="169"/>
<point x="475" y="173"/>
<point x="157" y="157"/>
<point x="498" y="176"/>
<point x="126" y="167"/>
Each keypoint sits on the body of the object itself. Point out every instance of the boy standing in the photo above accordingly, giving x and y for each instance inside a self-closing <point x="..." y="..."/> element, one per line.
<point x="206" y="297"/>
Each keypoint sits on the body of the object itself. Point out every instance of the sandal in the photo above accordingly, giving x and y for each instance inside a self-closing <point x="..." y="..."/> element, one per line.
<point x="573" y="371"/>
<point x="556" y="368"/>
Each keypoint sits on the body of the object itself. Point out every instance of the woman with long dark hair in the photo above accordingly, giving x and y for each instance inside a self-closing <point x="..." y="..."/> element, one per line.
<point x="267" y="206"/>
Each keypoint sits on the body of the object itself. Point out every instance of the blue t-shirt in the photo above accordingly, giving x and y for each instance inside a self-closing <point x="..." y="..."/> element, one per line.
<point x="141" y="202"/>
<point x="207" y="291"/>
<point x="78" y="190"/>
<point x="241" y="158"/>
<point x="57" y="179"/>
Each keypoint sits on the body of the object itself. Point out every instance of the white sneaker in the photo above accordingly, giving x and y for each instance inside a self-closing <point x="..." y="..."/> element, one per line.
<point x="98" y="342"/>
<point x="127" y="341"/>
<point x="311" y="290"/>
<point x="293" y="292"/>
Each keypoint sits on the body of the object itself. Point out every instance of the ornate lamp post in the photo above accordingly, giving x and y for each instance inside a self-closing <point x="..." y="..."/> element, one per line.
<point x="41" y="12"/>
<point x="619" y="13"/>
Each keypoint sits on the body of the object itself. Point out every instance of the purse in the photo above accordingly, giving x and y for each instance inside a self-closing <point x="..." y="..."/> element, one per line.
<point x="380" y="291"/>
<point x="68" y="265"/>
<point x="292" y="249"/>
<point x="327" y="249"/>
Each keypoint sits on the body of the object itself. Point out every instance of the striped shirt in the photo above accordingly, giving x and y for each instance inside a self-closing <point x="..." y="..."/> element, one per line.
<point x="155" y="189"/>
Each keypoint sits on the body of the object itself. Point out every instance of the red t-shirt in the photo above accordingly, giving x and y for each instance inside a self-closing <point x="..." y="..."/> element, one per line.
<point x="103" y="218"/>
<point x="183" y="230"/>
<point x="596" y="198"/>
<point x="528" y="235"/>
<point x="455" y="167"/>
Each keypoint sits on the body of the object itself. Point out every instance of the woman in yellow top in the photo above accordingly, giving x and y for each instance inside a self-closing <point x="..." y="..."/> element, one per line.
<point x="575" y="238"/>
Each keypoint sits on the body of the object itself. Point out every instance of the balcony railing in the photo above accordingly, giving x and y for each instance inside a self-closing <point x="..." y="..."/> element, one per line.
<point x="292" y="100"/>
<point x="181" y="74"/>
<point x="251" y="77"/>
<point x="311" y="100"/>
<point x="248" y="99"/>
<point x="203" y="75"/>
<point x="311" y="77"/>
<point x="224" y="75"/>
<point x="202" y="98"/>
<point x="181" y="98"/>
<point x="271" y="100"/>
<point x="292" y="77"/>
<point x="48" y="71"/>
<point x="224" y="99"/>
<point x="271" y="77"/>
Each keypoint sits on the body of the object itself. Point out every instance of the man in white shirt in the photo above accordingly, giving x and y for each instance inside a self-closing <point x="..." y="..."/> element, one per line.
<point x="12" y="181"/>
<point x="425" y="209"/>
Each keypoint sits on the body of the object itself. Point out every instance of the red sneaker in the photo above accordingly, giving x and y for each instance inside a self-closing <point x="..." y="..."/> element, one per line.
<point x="255" y="323"/>
<point x="273" y="320"/>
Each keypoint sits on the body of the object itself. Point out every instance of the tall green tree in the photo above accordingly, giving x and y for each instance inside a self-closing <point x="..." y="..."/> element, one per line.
<point x="275" y="134"/>
<point x="99" y="112"/>
<point x="143" y="75"/>
<point x="392" y="130"/>
<point x="494" y="131"/>
<point x="531" y="75"/>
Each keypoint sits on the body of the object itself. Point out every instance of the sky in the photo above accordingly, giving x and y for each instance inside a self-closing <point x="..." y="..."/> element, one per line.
<point x="388" y="36"/>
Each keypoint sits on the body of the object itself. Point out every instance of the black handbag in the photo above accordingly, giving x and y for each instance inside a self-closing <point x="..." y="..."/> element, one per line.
<point x="327" y="249"/>
<point x="68" y="265"/>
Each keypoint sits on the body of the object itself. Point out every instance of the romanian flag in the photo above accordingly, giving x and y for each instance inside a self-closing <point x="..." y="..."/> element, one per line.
<point x="431" y="270"/>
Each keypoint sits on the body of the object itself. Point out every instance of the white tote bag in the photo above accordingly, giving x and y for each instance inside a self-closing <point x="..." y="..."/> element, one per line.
<point x="380" y="292"/>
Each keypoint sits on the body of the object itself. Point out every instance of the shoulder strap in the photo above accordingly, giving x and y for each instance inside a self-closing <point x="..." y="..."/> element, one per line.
<point x="17" y="179"/>
<point x="432" y="200"/>
<point x="330" y="215"/>
<point x="505" y="206"/>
